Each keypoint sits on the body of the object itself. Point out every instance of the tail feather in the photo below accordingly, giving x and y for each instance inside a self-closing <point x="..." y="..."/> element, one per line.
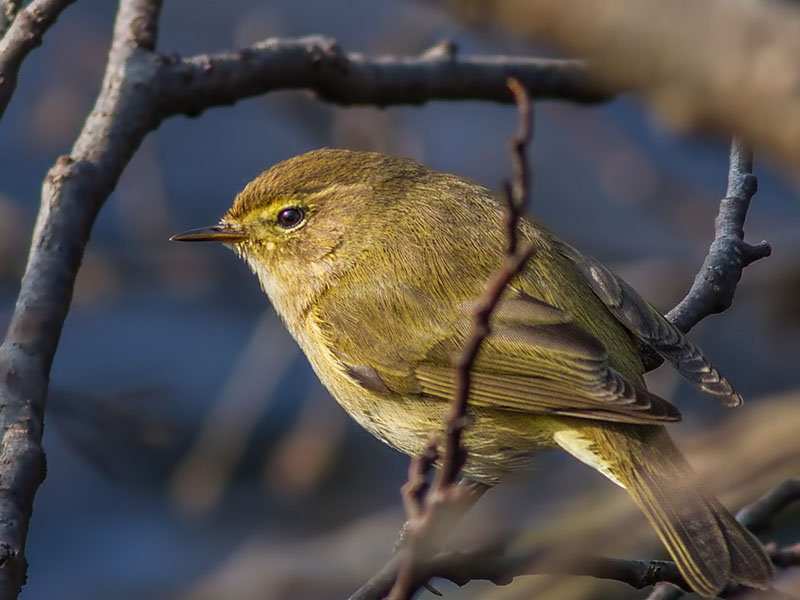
<point x="743" y="547"/>
<point x="688" y="529"/>
<point x="709" y="546"/>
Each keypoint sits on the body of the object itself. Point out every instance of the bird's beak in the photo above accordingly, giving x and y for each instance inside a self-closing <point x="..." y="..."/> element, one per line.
<point x="223" y="232"/>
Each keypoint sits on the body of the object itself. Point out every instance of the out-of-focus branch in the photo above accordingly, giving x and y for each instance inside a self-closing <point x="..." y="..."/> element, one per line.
<point x="428" y="510"/>
<point x="25" y="29"/>
<point x="495" y="563"/>
<point x="715" y="283"/>
<point x="336" y="562"/>
<point x="726" y="66"/>
<point x="758" y="515"/>
<point x="316" y="63"/>
<point x="8" y="10"/>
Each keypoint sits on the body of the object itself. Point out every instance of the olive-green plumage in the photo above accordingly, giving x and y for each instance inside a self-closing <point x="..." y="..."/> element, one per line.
<point x="374" y="269"/>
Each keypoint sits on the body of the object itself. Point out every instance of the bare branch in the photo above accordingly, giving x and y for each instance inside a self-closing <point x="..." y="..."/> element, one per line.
<point x="759" y="515"/>
<point x="72" y="194"/>
<point x="720" y="65"/>
<point x="316" y="63"/>
<point x="27" y="27"/>
<point x="715" y="284"/>
<point x="425" y="511"/>
<point x="517" y="191"/>
<point x="495" y="564"/>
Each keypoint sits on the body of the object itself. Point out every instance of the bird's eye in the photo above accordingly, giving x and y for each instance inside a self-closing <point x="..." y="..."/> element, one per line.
<point x="290" y="217"/>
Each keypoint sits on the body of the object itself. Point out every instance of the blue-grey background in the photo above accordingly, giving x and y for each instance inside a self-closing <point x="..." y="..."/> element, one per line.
<point x="190" y="447"/>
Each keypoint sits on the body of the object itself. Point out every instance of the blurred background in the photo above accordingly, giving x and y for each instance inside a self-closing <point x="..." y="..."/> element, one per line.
<point x="192" y="453"/>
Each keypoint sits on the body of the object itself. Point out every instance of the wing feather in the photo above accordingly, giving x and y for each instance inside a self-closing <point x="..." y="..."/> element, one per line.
<point x="535" y="360"/>
<point x="650" y="326"/>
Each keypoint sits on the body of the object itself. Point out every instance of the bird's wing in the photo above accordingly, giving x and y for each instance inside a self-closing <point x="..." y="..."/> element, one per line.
<point x="647" y="324"/>
<point x="536" y="359"/>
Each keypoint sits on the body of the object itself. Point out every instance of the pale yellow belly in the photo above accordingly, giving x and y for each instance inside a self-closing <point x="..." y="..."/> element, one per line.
<point x="498" y="442"/>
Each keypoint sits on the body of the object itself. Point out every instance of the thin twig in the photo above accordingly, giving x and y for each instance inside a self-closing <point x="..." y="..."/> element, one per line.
<point x="422" y="509"/>
<point x="26" y="28"/>
<point x="784" y="557"/>
<point x="516" y="192"/>
<point x="715" y="284"/>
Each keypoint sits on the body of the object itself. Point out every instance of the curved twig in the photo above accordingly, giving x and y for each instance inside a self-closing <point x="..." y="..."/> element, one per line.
<point x="427" y="510"/>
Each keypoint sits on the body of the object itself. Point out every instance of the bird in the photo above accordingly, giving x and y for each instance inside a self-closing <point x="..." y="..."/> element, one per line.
<point x="374" y="263"/>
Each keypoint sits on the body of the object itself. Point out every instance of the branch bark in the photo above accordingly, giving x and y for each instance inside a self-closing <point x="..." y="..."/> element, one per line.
<point x="8" y="10"/>
<point x="715" y="283"/>
<point x="496" y="563"/>
<point x="428" y="510"/>
<point x="758" y="515"/>
<point x="72" y="195"/>
<point x="316" y="63"/>
<point x="26" y="27"/>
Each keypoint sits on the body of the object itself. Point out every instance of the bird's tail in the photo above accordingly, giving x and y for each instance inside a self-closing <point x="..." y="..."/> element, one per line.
<point x="709" y="546"/>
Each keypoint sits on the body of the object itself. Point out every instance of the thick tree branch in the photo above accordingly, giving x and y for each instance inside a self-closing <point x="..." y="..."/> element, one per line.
<point x="316" y="63"/>
<point x="72" y="195"/>
<point x="27" y="27"/>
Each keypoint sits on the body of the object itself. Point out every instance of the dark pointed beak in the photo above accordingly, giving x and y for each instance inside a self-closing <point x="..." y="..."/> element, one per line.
<point x="216" y="233"/>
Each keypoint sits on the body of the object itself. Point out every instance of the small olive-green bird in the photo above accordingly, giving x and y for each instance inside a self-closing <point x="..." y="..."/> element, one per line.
<point x="374" y="263"/>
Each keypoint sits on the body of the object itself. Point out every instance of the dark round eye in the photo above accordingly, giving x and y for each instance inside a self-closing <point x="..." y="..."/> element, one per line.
<point x="290" y="217"/>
